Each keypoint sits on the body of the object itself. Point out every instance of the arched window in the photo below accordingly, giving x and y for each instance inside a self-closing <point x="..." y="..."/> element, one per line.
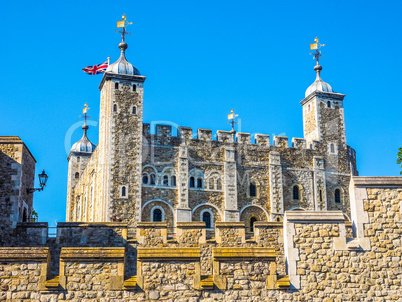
<point x="253" y="190"/>
<point x="252" y="221"/>
<point x="329" y="104"/>
<point x="114" y="108"/>
<point x="332" y="147"/>
<point x="199" y="182"/>
<point x="134" y="111"/>
<point x="145" y="179"/>
<point x="338" y="196"/>
<point x="157" y="215"/>
<point x="116" y="85"/>
<point x="77" y="175"/>
<point x="296" y="193"/>
<point x="192" y="182"/>
<point x="165" y="180"/>
<point x="211" y="184"/>
<point x="78" y="159"/>
<point x="173" y="181"/>
<point x="278" y="219"/>
<point x="206" y="217"/>
<point x="123" y="191"/>
<point x="134" y="87"/>
<point x="152" y="176"/>
<point x="218" y="184"/>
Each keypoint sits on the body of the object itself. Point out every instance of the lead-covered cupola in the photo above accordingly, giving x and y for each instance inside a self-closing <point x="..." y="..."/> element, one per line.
<point x="122" y="66"/>
<point x="318" y="84"/>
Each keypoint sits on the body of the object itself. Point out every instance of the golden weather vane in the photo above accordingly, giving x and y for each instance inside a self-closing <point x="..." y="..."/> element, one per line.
<point x="231" y="118"/>
<point x="316" y="46"/>
<point x="84" y="112"/>
<point x="123" y="24"/>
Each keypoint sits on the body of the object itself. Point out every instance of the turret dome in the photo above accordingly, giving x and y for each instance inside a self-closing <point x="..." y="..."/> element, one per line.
<point x="122" y="66"/>
<point x="319" y="84"/>
<point x="84" y="145"/>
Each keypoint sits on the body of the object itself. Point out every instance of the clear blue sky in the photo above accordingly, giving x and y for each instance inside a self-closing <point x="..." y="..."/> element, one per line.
<point x="201" y="59"/>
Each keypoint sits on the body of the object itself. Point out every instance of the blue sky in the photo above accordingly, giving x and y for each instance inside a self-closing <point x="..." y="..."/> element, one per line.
<point x="201" y="59"/>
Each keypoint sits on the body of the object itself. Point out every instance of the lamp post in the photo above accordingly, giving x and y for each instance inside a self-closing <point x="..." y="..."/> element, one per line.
<point x="42" y="183"/>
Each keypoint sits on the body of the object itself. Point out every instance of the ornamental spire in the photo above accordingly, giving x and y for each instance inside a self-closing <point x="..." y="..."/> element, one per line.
<point x="123" y="24"/>
<point x="316" y="46"/>
<point x="85" y="116"/>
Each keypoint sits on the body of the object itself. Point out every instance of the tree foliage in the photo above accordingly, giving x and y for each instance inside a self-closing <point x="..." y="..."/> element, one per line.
<point x="399" y="158"/>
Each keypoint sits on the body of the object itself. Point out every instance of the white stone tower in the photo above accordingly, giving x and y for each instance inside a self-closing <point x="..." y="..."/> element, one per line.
<point x="120" y="140"/>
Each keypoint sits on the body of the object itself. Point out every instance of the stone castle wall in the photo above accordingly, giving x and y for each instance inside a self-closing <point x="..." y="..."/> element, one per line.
<point x="326" y="260"/>
<point x="17" y="173"/>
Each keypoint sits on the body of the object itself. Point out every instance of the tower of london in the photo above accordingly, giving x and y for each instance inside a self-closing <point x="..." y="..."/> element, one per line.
<point x="163" y="213"/>
<point x="135" y="176"/>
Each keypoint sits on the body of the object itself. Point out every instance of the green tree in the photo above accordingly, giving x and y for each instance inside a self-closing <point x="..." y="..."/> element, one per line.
<point x="399" y="158"/>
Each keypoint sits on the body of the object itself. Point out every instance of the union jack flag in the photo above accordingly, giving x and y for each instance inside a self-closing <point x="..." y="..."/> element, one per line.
<point x="96" y="69"/>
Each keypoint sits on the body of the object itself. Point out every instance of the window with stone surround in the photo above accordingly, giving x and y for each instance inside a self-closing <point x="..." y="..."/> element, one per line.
<point x="78" y="159"/>
<point x="196" y="180"/>
<point x="296" y="192"/>
<point x="116" y="85"/>
<point x="152" y="179"/>
<point x="77" y="175"/>
<point x="144" y="179"/>
<point x="253" y="219"/>
<point x="192" y="182"/>
<point x="165" y="180"/>
<point x="157" y="214"/>
<point x="199" y="183"/>
<point x="134" y="110"/>
<point x="134" y="88"/>
<point x="114" y="108"/>
<point x="173" y="181"/>
<point x="123" y="191"/>
<point x="214" y="181"/>
<point x="338" y="196"/>
<point x="253" y="189"/>
<point x="329" y="104"/>
<point x="207" y="216"/>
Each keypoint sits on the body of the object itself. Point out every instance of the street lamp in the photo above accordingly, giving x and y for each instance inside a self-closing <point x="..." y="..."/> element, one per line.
<point x="42" y="183"/>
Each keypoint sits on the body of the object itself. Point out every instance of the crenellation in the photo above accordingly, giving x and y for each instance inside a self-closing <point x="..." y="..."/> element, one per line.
<point x="204" y="134"/>
<point x="243" y="138"/>
<point x="262" y="140"/>
<point x="225" y="136"/>
<point x="185" y="133"/>
<point x="299" y="143"/>
<point x="163" y="130"/>
<point x="281" y="141"/>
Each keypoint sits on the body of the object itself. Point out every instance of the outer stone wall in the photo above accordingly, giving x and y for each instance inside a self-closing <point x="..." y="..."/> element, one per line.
<point x="325" y="261"/>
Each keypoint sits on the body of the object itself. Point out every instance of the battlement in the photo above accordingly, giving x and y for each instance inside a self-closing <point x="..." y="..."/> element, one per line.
<point x="312" y="243"/>
<point x="222" y="136"/>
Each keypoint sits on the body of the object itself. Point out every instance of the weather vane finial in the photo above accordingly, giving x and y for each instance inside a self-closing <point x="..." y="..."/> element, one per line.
<point x="123" y="24"/>
<point x="231" y="118"/>
<point x="316" y="46"/>
<point x="84" y="112"/>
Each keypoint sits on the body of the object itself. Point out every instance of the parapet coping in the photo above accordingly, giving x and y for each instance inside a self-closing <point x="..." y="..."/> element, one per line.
<point x="380" y="181"/>
<point x="24" y="253"/>
<point x="268" y="224"/>
<point x="223" y="224"/>
<point x="92" y="252"/>
<point x="168" y="253"/>
<point x="323" y="216"/>
<point x="91" y="224"/>
<point x="190" y="225"/>
<point x="152" y="224"/>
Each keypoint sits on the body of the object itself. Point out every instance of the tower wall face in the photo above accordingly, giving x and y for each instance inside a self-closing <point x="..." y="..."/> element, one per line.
<point x="17" y="170"/>
<point x="125" y="156"/>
